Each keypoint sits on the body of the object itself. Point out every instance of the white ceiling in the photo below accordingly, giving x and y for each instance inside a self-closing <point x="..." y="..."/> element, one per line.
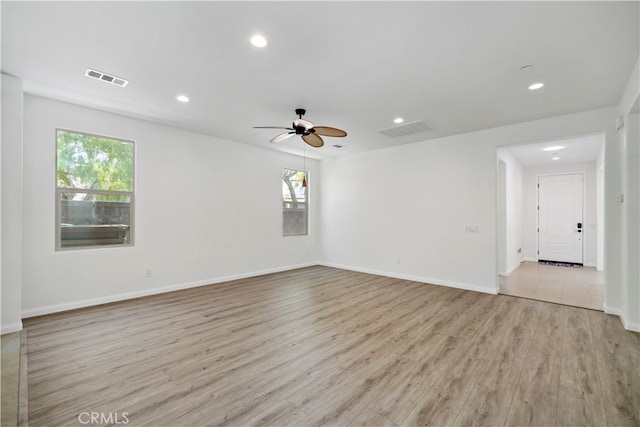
<point x="582" y="149"/>
<point x="352" y="65"/>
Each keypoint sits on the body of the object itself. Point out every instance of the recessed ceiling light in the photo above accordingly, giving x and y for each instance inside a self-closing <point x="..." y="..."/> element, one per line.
<point x="182" y="98"/>
<point x="258" y="41"/>
<point x="555" y="158"/>
<point x="536" y="86"/>
<point x="398" y="120"/>
<point x="554" y="148"/>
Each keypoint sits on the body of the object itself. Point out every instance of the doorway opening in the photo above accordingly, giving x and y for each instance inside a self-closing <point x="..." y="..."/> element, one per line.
<point x="550" y="201"/>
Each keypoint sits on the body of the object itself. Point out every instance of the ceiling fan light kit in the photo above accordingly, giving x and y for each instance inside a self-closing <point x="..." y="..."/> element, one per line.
<point x="310" y="134"/>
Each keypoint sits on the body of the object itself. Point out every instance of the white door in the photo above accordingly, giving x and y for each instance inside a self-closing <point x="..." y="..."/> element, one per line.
<point x="560" y="225"/>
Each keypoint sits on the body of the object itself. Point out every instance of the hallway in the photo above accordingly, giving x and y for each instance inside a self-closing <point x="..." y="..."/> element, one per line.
<point x="575" y="286"/>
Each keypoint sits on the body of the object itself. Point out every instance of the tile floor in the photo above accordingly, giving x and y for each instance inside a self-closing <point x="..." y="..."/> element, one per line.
<point x="576" y="286"/>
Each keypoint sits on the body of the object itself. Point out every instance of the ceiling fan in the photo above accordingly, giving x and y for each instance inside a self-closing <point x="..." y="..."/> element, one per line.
<point x="310" y="133"/>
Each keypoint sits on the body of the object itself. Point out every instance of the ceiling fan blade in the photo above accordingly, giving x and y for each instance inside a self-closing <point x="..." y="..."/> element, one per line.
<point x="272" y="127"/>
<point x="313" y="140"/>
<point x="328" y="131"/>
<point x="281" y="137"/>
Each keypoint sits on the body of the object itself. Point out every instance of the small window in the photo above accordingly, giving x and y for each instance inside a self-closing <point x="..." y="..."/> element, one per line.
<point x="295" y="203"/>
<point x="94" y="190"/>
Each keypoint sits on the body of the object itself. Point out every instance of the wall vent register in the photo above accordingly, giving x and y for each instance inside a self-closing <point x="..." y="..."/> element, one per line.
<point x="405" y="129"/>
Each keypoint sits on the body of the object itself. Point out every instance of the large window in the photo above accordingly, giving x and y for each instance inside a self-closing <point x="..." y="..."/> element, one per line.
<point x="94" y="190"/>
<point x="295" y="203"/>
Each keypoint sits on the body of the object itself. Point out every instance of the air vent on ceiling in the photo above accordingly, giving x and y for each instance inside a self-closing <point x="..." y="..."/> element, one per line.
<point x="405" y="129"/>
<point x="98" y="75"/>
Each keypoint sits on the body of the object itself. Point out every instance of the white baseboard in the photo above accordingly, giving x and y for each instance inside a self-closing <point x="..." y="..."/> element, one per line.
<point x="611" y="310"/>
<point x="511" y="270"/>
<point x="530" y="259"/>
<point x="589" y="264"/>
<point x="465" y="286"/>
<point x="629" y="326"/>
<point x="56" y="308"/>
<point x="11" y="327"/>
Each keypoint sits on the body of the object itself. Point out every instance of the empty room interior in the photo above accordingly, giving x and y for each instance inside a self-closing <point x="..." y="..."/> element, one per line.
<point x="320" y="213"/>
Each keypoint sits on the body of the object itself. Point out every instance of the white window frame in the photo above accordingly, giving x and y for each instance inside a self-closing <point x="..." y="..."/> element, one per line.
<point x="60" y="190"/>
<point x="305" y="204"/>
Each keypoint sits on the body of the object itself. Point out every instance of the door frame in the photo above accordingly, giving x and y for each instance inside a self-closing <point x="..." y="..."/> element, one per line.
<point x="585" y="235"/>
<point x="501" y="217"/>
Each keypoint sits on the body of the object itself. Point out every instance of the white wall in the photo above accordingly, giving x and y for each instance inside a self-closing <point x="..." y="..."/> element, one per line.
<point x="600" y="210"/>
<point x="403" y="211"/>
<point x="501" y="215"/>
<point x="206" y="210"/>
<point x="632" y="211"/>
<point x="513" y="211"/>
<point x="411" y="203"/>
<point x="11" y="216"/>
<point x="589" y="233"/>
<point x="622" y="288"/>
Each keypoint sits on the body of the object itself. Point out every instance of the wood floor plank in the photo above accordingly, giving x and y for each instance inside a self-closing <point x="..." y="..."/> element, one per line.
<point x="620" y="387"/>
<point x="282" y="413"/>
<point x="535" y="400"/>
<point x="369" y="418"/>
<point x="435" y="352"/>
<point x="489" y="402"/>
<point x="331" y="408"/>
<point x="618" y="360"/>
<point x="579" y="410"/>
<point x="579" y="370"/>
<point x="442" y="402"/>
<point x="323" y="346"/>
<point x="485" y="406"/>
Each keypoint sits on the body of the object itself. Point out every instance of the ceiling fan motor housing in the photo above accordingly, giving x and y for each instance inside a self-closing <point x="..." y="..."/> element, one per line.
<point x="300" y="125"/>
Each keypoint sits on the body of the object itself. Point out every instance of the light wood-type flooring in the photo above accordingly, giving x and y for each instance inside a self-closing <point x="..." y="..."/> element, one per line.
<point x="322" y="346"/>
<point x="9" y="374"/>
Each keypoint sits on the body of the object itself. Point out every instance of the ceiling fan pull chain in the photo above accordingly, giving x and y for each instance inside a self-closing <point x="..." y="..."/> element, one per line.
<point x="304" y="166"/>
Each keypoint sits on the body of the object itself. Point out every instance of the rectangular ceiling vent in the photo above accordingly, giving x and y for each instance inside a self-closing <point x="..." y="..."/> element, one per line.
<point x="405" y="129"/>
<point x="98" y="75"/>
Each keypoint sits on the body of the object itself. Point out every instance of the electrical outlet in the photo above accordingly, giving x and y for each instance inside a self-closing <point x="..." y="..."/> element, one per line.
<point x="148" y="272"/>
